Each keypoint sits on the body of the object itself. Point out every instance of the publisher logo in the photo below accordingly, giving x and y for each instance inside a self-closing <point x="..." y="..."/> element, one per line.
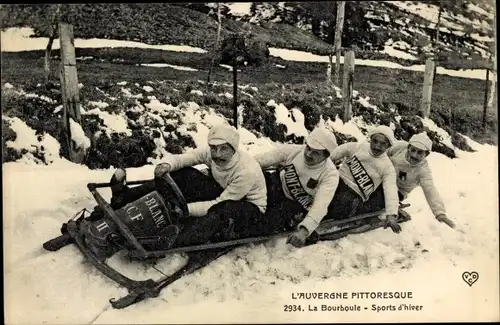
<point x="470" y="277"/>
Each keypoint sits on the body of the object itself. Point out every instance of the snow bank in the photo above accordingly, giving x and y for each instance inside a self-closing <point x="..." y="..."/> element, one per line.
<point x="165" y="65"/>
<point x="112" y="122"/>
<point x="18" y="39"/>
<point x="430" y="13"/>
<point x="293" y="119"/>
<point x="390" y="48"/>
<point x="78" y="136"/>
<point x="479" y="10"/>
<point x="350" y="128"/>
<point x="27" y="139"/>
<point x="239" y="8"/>
<point x="294" y="55"/>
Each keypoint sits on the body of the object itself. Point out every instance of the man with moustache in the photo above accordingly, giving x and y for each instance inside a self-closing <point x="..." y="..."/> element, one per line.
<point x="412" y="170"/>
<point x="226" y="201"/>
<point x="230" y="197"/>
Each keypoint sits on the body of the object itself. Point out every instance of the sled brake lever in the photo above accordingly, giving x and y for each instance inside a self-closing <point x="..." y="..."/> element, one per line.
<point x="93" y="186"/>
<point x="124" y="230"/>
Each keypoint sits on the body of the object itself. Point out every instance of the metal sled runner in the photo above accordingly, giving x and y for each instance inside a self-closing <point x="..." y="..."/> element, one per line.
<point x="129" y="229"/>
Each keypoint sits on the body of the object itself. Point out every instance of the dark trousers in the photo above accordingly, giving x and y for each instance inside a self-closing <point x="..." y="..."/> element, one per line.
<point x="376" y="201"/>
<point x="344" y="204"/>
<point x="224" y="219"/>
<point x="193" y="184"/>
<point x="280" y="209"/>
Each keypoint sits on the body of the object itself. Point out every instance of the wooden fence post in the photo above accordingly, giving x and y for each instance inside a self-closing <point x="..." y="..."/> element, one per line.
<point x="69" y="88"/>
<point x="425" y="104"/>
<point x="486" y="91"/>
<point x="348" y="84"/>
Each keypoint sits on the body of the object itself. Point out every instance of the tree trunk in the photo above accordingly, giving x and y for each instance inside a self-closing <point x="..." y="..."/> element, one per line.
<point x="216" y="46"/>
<point x="338" y="38"/>
<point x="53" y="35"/>
<point x="492" y="101"/>
<point x="436" y="41"/>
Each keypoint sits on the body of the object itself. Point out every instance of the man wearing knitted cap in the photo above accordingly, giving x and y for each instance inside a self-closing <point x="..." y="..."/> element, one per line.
<point x="303" y="184"/>
<point x="230" y="199"/>
<point x="234" y="192"/>
<point x="365" y="168"/>
<point x="412" y="170"/>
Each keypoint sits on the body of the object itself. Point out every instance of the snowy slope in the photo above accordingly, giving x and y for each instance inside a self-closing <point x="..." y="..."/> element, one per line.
<point x="427" y="258"/>
<point x="411" y="22"/>
<point x="254" y="283"/>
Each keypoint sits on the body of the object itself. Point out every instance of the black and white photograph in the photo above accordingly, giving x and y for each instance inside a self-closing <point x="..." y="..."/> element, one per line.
<point x="250" y="162"/>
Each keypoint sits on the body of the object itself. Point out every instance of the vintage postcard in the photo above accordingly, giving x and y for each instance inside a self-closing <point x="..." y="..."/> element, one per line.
<point x="265" y="162"/>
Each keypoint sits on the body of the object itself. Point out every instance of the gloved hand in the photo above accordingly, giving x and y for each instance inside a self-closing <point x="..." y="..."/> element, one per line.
<point x="298" y="238"/>
<point x="391" y="221"/>
<point x="443" y="218"/>
<point x="161" y="169"/>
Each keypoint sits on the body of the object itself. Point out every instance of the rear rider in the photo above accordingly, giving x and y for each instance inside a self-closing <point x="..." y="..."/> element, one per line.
<point x="412" y="170"/>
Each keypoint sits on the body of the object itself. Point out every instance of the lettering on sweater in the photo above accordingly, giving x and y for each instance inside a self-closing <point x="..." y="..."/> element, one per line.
<point x="361" y="177"/>
<point x="292" y="182"/>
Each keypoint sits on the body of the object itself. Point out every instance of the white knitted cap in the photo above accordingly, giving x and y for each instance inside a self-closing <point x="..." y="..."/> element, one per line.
<point x="421" y="141"/>
<point x="322" y="139"/>
<point x="384" y="130"/>
<point x="224" y="133"/>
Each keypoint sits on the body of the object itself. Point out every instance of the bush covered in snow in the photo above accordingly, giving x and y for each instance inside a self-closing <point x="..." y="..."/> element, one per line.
<point x="129" y="125"/>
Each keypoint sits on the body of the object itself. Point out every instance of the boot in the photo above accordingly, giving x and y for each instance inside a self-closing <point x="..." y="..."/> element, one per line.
<point x="58" y="242"/>
<point x="118" y="181"/>
<point x="118" y="184"/>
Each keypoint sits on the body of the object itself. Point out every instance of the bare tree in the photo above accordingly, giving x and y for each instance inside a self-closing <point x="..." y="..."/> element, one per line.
<point x="438" y="23"/>
<point x="216" y="46"/>
<point x="492" y="89"/>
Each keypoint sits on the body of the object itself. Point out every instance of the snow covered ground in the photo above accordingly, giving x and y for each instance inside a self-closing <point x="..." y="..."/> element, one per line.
<point x="254" y="283"/>
<point x="294" y="55"/>
<point x="454" y="22"/>
<point x="18" y="39"/>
